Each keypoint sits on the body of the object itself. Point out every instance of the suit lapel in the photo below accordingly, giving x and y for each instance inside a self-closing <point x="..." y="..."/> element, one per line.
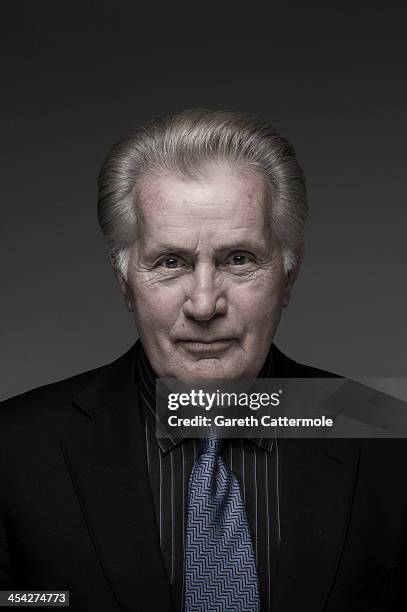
<point x="107" y="463"/>
<point x="318" y="478"/>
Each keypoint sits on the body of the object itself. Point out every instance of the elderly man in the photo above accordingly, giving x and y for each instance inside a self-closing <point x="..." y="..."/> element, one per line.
<point x="204" y="213"/>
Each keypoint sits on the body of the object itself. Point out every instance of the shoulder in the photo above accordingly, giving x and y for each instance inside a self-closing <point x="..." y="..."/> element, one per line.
<point x="43" y="410"/>
<point x="47" y="395"/>
<point x="286" y="367"/>
<point x="380" y="455"/>
<point x="52" y="404"/>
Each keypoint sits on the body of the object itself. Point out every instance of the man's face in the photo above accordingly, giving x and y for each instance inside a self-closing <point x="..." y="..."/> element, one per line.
<point x="205" y="277"/>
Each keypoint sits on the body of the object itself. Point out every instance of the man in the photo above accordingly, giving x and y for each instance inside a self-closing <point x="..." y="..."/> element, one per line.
<point x="203" y="212"/>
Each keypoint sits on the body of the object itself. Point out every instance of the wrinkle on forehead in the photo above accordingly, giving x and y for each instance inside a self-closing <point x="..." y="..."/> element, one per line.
<point x="223" y="188"/>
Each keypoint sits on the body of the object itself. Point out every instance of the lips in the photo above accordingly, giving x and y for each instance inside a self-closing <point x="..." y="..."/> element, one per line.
<point x="205" y="340"/>
<point x="207" y="347"/>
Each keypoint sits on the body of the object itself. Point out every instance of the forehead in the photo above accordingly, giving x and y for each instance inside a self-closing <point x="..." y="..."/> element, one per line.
<point x="224" y="195"/>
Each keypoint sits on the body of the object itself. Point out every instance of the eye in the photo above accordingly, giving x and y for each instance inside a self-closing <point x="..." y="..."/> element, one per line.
<point x="170" y="262"/>
<point x="240" y="259"/>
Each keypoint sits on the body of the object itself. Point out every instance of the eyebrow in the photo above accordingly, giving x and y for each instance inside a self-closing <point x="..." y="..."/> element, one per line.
<point x="241" y="245"/>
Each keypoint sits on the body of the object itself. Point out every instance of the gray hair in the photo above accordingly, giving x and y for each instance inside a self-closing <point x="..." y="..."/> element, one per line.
<point x="182" y="142"/>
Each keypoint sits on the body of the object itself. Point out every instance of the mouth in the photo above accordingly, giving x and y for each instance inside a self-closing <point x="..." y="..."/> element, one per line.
<point x="207" y="347"/>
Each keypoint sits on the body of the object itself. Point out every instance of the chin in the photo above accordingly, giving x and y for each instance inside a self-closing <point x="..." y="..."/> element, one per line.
<point x="208" y="369"/>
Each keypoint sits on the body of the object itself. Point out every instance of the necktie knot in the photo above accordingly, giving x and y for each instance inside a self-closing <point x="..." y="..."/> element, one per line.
<point x="210" y="445"/>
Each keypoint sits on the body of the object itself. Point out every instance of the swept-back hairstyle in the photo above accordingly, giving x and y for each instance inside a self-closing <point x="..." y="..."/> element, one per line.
<point x="183" y="142"/>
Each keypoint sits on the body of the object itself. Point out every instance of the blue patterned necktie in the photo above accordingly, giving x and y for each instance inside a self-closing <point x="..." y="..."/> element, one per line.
<point x="220" y="571"/>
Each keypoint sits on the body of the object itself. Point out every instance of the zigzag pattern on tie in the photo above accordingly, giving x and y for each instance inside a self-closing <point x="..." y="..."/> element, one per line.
<point x="220" y="565"/>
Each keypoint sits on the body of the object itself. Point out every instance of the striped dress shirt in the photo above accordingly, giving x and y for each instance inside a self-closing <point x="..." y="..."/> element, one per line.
<point x="255" y="464"/>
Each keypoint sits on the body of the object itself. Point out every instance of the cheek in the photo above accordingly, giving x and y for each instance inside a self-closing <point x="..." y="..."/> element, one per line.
<point x="259" y="302"/>
<point x="156" y="307"/>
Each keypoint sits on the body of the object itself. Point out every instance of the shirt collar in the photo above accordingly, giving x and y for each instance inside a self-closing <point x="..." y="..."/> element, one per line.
<point x="146" y="379"/>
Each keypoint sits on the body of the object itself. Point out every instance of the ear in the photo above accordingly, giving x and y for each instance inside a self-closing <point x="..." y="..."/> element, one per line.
<point x="290" y="279"/>
<point x="124" y="288"/>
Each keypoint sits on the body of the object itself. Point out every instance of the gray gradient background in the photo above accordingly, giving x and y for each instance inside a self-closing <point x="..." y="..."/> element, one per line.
<point x="74" y="80"/>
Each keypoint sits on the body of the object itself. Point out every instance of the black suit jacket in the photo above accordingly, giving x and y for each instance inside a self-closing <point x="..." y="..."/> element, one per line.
<point x="76" y="512"/>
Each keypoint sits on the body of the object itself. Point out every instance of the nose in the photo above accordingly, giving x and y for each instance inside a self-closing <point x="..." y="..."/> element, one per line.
<point x="205" y="298"/>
